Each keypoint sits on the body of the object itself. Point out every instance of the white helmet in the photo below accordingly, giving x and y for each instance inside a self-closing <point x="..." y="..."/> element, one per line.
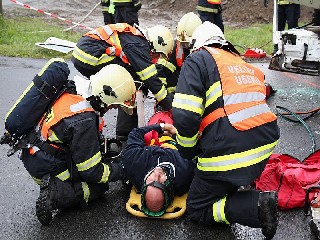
<point x="207" y="33"/>
<point x="186" y="26"/>
<point x="113" y="84"/>
<point x="161" y="39"/>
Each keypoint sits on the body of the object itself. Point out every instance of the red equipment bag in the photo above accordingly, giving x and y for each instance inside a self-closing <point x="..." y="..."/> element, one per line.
<point x="296" y="182"/>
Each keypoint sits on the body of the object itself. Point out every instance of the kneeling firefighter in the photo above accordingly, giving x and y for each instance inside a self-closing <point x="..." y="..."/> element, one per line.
<point x="62" y="154"/>
<point x="224" y="123"/>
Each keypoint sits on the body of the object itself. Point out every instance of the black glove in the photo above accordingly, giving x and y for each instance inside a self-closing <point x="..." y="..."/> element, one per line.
<point x="116" y="172"/>
<point x="166" y="103"/>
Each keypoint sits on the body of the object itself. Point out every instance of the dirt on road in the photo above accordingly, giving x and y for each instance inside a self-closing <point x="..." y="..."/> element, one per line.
<point x="167" y="12"/>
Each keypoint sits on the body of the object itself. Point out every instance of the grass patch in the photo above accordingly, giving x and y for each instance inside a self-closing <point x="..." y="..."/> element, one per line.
<point x="256" y="36"/>
<point x="19" y="35"/>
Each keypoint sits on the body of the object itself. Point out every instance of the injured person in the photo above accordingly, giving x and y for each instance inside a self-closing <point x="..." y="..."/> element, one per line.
<point x="154" y="166"/>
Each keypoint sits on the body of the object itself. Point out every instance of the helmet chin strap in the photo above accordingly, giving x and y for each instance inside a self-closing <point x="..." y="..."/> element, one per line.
<point x="96" y="103"/>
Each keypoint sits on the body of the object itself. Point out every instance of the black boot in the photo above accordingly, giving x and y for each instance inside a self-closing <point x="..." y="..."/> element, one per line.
<point x="45" y="202"/>
<point x="268" y="213"/>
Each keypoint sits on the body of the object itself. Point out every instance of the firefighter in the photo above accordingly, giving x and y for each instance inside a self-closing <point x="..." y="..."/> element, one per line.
<point x="224" y="123"/>
<point x="157" y="171"/>
<point x="108" y="11"/>
<point x="65" y="159"/>
<point x="210" y="10"/>
<point x="126" y="11"/>
<point x="169" y="65"/>
<point x="128" y="46"/>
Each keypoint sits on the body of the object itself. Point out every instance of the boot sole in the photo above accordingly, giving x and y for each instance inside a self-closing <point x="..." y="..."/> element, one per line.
<point x="273" y="207"/>
<point x="43" y="210"/>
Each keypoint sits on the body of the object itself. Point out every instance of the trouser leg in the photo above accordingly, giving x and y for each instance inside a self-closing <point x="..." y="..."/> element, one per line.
<point x="281" y="18"/>
<point x="108" y="18"/>
<point x="293" y="15"/>
<point x="125" y="123"/>
<point x="215" y="18"/>
<point x="213" y="201"/>
<point x="71" y="195"/>
<point x="219" y="21"/>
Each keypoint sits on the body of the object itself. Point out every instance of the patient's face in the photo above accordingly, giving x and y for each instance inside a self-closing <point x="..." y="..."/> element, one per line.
<point x="157" y="175"/>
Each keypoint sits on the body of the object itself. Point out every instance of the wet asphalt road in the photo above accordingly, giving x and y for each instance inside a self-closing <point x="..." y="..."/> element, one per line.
<point x="107" y="218"/>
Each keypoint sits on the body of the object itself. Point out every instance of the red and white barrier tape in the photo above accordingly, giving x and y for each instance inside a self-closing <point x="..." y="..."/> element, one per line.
<point x="51" y="15"/>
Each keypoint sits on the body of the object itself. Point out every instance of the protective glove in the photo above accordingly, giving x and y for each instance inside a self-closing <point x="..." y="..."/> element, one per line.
<point x="165" y="104"/>
<point x="116" y="172"/>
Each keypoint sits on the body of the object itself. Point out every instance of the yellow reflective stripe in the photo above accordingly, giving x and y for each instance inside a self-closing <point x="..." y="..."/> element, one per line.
<point x="105" y="9"/>
<point x="188" y="102"/>
<point x="105" y="174"/>
<point x="213" y="93"/>
<point x="218" y="211"/>
<point x="282" y="2"/>
<point x="204" y="9"/>
<point x="236" y="160"/>
<point x="53" y="137"/>
<point x="147" y="72"/>
<point x="91" y="162"/>
<point x="115" y="39"/>
<point x="137" y="3"/>
<point x="163" y="80"/>
<point x="37" y="180"/>
<point x="171" y="89"/>
<point x="167" y="64"/>
<point x="89" y="59"/>
<point x="185" y="141"/>
<point x="64" y="175"/>
<point x="86" y="191"/>
<point x="121" y="1"/>
<point x="161" y="94"/>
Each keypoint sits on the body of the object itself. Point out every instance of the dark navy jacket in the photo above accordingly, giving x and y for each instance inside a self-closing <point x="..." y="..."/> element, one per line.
<point x="139" y="159"/>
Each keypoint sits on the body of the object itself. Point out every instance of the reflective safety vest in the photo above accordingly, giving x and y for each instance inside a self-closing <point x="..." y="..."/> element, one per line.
<point x="66" y="106"/>
<point x="214" y="1"/>
<point x="179" y="54"/>
<point x="109" y="34"/>
<point x="243" y="92"/>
